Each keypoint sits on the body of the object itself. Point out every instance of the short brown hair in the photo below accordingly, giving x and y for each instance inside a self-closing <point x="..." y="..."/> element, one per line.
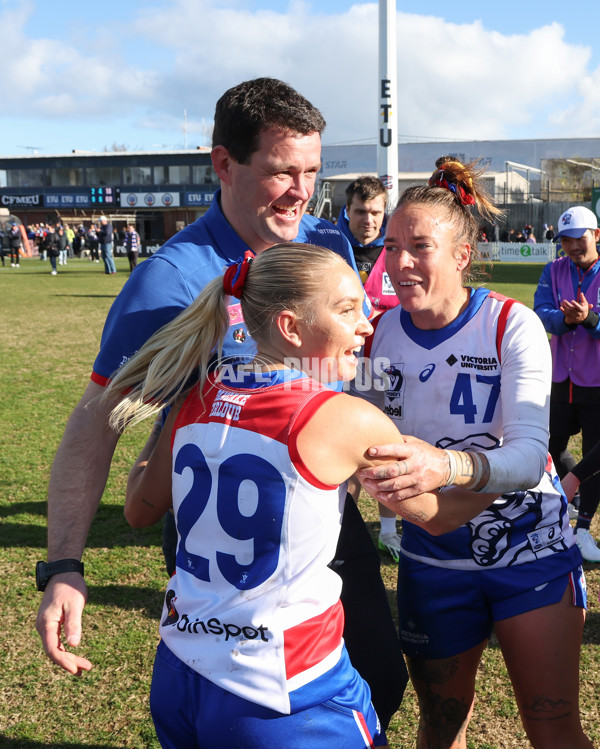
<point x="366" y="188"/>
<point x="248" y="109"/>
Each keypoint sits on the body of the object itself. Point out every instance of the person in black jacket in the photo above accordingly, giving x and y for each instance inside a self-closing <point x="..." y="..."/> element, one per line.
<point x="63" y="245"/>
<point x="15" y="243"/>
<point x="50" y="246"/>
<point x="3" y="244"/>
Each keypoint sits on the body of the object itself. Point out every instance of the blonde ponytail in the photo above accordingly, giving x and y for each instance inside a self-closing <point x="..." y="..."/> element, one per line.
<point x="178" y="353"/>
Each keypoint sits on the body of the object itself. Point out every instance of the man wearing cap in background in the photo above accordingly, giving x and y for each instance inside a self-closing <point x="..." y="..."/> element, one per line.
<point x="567" y="301"/>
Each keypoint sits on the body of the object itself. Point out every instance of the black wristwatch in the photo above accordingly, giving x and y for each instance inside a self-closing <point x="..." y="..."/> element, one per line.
<point x="45" y="570"/>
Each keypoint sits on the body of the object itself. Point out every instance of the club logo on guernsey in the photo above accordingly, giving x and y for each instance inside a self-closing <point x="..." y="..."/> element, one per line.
<point x="227" y="405"/>
<point x="394" y="394"/>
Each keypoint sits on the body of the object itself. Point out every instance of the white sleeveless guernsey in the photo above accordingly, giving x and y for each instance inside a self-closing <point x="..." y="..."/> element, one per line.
<point x="253" y="606"/>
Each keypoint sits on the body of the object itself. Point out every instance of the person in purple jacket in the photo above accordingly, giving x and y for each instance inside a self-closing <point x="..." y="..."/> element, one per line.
<point x="567" y="301"/>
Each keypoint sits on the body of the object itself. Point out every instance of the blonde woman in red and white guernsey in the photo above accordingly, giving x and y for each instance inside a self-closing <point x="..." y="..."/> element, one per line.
<point x="254" y="460"/>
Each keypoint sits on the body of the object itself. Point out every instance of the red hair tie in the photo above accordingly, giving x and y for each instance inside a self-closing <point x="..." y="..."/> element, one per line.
<point x="234" y="279"/>
<point x="437" y="179"/>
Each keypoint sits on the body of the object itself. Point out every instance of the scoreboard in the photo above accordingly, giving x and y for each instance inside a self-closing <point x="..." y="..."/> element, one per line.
<point x="105" y="196"/>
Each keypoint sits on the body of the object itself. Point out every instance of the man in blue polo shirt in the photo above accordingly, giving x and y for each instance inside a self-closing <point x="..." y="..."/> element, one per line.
<point x="266" y="153"/>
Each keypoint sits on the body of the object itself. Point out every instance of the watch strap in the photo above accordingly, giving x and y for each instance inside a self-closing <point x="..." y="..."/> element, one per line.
<point x="45" y="570"/>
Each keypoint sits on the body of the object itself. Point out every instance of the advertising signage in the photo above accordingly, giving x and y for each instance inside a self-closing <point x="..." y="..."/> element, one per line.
<point x="21" y="201"/>
<point x="198" y="198"/>
<point x="149" y="199"/>
<point x="512" y="252"/>
<point x="67" y="200"/>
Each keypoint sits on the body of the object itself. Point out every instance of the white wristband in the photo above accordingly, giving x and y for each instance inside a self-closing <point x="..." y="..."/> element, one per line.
<point x="452" y="466"/>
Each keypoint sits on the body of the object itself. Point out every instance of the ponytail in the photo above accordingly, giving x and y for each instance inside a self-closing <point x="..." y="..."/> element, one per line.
<point x="180" y="352"/>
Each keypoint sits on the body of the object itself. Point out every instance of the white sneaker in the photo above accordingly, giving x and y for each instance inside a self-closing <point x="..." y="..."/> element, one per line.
<point x="53" y="273"/>
<point x="573" y="511"/>
<point x="587" y="546"/>
<point x="390" y="542"/>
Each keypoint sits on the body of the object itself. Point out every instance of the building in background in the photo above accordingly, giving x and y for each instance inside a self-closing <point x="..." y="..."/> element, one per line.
<point x="162" y="191"/>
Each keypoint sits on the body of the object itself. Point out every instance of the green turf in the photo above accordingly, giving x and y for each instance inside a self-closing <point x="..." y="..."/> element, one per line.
<point x="50" y="333"/>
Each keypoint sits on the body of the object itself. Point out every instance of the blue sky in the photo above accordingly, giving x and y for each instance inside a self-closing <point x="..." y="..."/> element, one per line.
<point x="88" y="76"/>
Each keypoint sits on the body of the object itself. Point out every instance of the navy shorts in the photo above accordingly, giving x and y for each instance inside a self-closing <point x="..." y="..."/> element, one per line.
<point x="444" y="612"/>
<point x="190" y="711"/>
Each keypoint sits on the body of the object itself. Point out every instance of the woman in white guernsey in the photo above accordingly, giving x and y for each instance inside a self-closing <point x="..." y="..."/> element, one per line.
<point x="470" y="370"/>
<point x="253" y="459"/>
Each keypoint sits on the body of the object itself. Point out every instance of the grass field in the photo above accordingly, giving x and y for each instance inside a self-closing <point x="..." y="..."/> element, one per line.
<point x="50" y="333"/>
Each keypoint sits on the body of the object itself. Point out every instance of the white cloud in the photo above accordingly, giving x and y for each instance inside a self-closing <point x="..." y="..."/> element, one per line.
<point x="56" y="79"/>
<point x="454" y="80"/>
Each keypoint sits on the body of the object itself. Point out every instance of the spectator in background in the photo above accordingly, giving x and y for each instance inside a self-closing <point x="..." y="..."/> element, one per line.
<point x="70" y="237"/>
<point x="79" y="241"/>
<point x="93" y="242"/>
<point x="132" y="245"/>
<point x="582" y="471"/>
<point x="14" y="243"/>
<point x="561" y="301"/>
<point x="362" y="221"/>
<point x="62" y="242"/>
<point x="105" y="241"/>
<point x="51" y="247"/>
<point x="531" y="237"/>
<point x="3" y="244"/>
<point x="40" y="234"/>
<point x="549" y="235"/>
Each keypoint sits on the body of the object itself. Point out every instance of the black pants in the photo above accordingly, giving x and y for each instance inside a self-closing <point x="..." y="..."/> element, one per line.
<point x="132" y="256"/>
<point x="369" y="632"/>
<point x="567" y="419"/>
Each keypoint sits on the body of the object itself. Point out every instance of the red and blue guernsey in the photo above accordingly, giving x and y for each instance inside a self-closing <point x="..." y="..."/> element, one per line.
<point x="253" y="606"/>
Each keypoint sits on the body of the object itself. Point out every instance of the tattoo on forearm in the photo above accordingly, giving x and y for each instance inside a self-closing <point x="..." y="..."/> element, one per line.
<point x="465" y="465"/>
<point x="472" y="470"/>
